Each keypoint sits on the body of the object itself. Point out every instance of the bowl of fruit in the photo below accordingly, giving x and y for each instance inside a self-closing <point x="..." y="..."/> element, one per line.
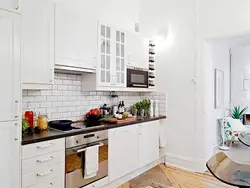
<point x="94" y="115"/>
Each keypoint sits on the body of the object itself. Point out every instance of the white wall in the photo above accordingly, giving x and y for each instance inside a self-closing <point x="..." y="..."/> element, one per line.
<point x="240" y="71"/>
<point x="218" y="58"/>
<point x="175" y="69"/>
<point x="216" y="19"/>
<point x="220" y="18"/>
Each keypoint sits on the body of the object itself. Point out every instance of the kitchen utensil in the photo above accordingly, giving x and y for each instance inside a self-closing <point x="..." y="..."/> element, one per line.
<point x="93" y="117"/>
<point x="63" y="125"/>
<point x="115" y="109"/>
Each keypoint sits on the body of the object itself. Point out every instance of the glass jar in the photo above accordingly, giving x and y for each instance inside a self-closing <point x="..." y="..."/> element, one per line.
<point x="42" y="122"/>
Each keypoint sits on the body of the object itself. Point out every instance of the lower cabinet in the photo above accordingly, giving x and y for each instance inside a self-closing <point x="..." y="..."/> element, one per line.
<point x="10" y="154"/>
<point x="148" y="142"/>
<point x="132" y="147"/>
<point x="123" y="151"/>
<point x="43" y="164"/>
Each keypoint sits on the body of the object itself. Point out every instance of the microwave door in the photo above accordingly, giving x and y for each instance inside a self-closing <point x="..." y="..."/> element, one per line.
<point x="137" y="78"/>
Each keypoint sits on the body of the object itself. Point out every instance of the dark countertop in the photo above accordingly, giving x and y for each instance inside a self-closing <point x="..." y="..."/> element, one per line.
<point x="51" y="134"/>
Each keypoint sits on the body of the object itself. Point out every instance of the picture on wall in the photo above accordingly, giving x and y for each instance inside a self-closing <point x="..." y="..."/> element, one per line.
<point x="219" y="89"/>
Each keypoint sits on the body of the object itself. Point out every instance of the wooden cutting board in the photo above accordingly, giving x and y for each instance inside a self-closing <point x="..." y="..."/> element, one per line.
<point x="116" y="121"/>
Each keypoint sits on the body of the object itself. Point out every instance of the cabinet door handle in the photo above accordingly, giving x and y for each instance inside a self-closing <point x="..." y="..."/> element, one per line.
<point x="44" y="174"/>
<point x="17" y="108"/>
<point x="45" y="160"/>
<point x="48" y="186"/>
<point x="44" y="146"/>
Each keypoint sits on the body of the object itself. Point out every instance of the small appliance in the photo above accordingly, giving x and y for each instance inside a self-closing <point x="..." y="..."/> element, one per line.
<point x="137" y="77"/>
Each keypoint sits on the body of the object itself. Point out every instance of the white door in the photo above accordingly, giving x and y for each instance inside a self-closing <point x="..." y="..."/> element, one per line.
<point x="10" y="80"/>
<point x="138" y="51"/>
<point x="10" y="155"/>
<point x="76" y="35"/>
<point x="105" y="51"/>
<point x="123" y="151"/>
<point x="11" y="5"/>
<point x="148" y="142"/>
<point x="38" y="42"/>
<point x="120" y="58"/>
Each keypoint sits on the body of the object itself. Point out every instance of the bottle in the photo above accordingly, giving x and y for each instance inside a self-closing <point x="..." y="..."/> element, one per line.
<point x="156" y="110"/>
<point x="123" y="107"/>
<point x="120" y="107"/>
<point x="151" y="113"/>
<point x="29" y="116"/>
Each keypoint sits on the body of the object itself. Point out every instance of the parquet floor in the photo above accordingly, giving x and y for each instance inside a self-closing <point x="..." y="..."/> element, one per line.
<point x="179" y="178"/>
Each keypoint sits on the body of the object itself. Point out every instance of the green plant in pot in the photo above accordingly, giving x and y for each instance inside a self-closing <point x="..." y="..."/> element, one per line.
<point x="237" y="112"/>
<point x="145" y="106"/>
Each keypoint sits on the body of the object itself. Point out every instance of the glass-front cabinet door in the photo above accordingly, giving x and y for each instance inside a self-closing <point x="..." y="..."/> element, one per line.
<point x="111" y="69"/>
<point x="104" y="55"/>
<point x="120" y="58"/>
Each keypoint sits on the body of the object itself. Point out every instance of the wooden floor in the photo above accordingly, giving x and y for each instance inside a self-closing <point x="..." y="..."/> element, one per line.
<point x="183" y="179"/>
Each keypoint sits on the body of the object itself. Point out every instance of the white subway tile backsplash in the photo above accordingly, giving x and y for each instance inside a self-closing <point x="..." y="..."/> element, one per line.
<point x="57" y="104"/>
<point x="67" y="101"/>
<point x="62" y="87"/>
<point x="67" y="82"/>
<point x="45" y="104"/>
<point x="34" y="93"/>
<point x="72" y="77"/>
<point x="40" y="98"/>
<point x="52" y="98"/>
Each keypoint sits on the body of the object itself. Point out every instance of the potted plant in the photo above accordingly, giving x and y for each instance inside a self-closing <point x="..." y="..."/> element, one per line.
<point x="237" y="112"/>
<point x="145" y="106"/>
<point x="139" y="108"/>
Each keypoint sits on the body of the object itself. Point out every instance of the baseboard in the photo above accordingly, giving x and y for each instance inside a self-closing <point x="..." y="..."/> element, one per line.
<point x="134" y="174"/>
<point x="190" y="164"/>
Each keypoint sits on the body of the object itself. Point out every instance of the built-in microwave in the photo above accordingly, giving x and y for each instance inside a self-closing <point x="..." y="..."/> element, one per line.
<point x="137" y="77"/>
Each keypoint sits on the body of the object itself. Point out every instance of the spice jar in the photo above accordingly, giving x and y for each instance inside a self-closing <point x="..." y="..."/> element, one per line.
<point x="42" y="122"/>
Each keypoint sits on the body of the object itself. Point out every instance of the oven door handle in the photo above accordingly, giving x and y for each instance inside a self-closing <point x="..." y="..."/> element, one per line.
<point x="85" y="148"/>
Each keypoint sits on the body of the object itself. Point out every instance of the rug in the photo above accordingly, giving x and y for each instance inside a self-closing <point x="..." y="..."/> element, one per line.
<point x="154" y="178"/>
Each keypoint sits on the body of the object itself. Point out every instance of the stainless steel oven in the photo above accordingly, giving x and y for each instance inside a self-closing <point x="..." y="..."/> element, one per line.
<point x="75" y="158"/>
<point x="137" y="77"/>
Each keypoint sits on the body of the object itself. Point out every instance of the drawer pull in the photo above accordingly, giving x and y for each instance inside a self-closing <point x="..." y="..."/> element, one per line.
<point x="44" y="146"/>
<point x="48" y="186"/>
<point x="44" y="174"/>
<point x="44" y="160"/>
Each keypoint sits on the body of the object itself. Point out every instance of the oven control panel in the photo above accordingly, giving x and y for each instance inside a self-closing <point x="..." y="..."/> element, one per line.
<point x="87" y="138"/>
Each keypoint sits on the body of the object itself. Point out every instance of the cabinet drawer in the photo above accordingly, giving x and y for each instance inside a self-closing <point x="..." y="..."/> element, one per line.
<point x="54" y="183"/>
<point x="43" y="175"/>
<point x="42" y="161"/>
<point x="41" y="148"/>
<point x="98" y="184"/>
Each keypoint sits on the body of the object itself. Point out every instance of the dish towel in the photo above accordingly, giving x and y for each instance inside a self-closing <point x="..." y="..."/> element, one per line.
<point x="91" y="161"/>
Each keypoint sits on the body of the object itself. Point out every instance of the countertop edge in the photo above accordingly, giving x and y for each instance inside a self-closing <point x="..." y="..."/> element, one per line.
<point x="59" y="135"/>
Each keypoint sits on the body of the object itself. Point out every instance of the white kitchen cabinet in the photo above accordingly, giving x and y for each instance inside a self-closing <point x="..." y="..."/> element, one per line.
<point x="10" y="73"/>
<point x="123" y="150"/>
<point x="10" y="154"/>
<point x="10" y="5"/>
<point x="111" y="60"/>
<point x="38" y="43"/>
<point x="138" y="51"/>
<point x="75" y="36"/>
<point x="43" y="164"/>
<point x="148" y="142"/>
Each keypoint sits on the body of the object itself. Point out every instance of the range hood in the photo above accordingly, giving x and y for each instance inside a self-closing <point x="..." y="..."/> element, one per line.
<point x="70" y="65"/>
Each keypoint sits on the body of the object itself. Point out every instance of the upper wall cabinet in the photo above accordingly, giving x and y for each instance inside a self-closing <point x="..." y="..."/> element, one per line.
<point x="38" y="43"/>
<point x="10" y="73"/>
<point x="10" y="5"/>
<point x="111" y="60"/>
<point x="138" y="51"/>
<point x="75" y="36"/>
